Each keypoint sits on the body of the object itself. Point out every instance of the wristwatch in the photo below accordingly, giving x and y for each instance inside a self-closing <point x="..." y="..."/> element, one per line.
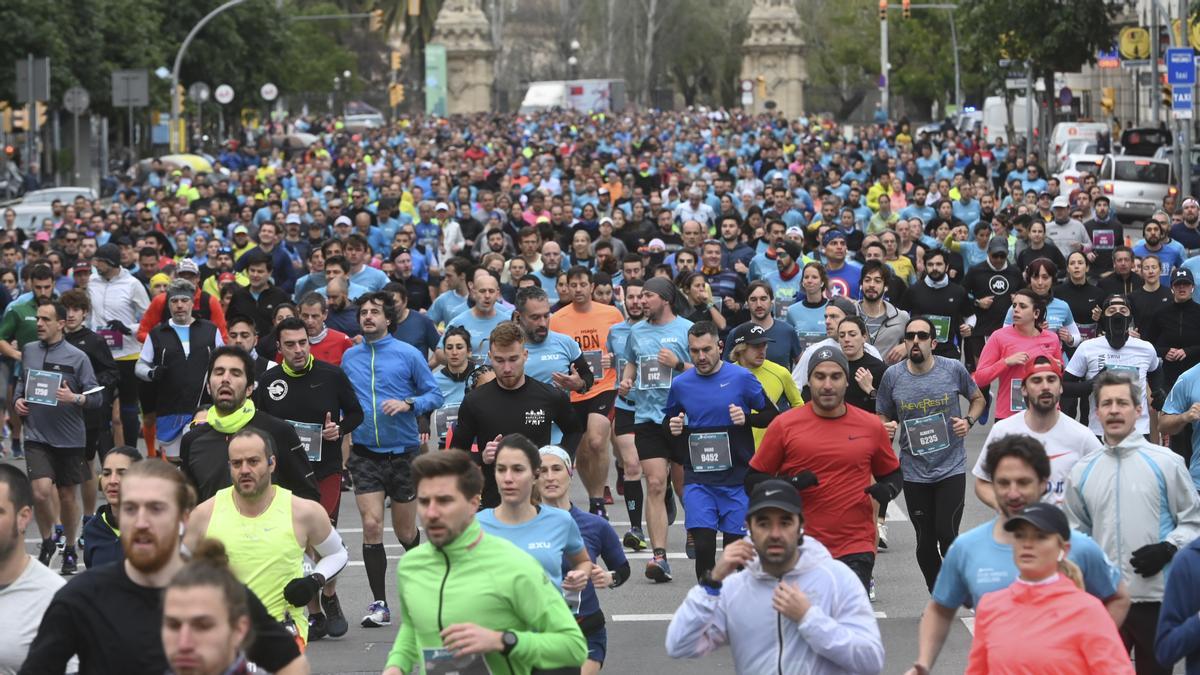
<point x="410" y="402"/>
<point x="970" y="421"/>
<point x="710" y="583"/>
<point x="509" y="639"/>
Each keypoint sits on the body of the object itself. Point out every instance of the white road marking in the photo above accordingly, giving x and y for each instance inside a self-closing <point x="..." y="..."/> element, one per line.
<point x="969" y="622"/>
<point x="668" y="617"/>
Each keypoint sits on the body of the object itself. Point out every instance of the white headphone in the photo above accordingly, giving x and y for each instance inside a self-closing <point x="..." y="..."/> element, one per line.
<point x="1062" y="555"/>
<point x="181" y="529"/>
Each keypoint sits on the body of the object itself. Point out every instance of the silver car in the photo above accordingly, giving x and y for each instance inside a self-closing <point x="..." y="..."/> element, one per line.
<point x="1136" y="186"/>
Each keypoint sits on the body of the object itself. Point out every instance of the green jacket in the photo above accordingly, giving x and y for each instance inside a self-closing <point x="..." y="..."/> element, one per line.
<point x="482" y="579"/>
<point x="20" y="324"/>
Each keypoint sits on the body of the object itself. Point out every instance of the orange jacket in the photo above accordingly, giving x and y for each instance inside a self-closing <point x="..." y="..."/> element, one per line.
<point x="154" y="315"/>
<point x="1050" y="629"/>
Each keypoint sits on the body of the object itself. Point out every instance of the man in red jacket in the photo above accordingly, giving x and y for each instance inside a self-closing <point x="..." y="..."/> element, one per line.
<point x="328" y="344"/>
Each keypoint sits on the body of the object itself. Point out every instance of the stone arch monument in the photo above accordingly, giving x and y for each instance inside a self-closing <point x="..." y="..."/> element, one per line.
<point x="774" y="50"/>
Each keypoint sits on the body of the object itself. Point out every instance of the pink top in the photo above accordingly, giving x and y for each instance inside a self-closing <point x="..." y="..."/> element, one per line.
<point x="1002" y="344"/>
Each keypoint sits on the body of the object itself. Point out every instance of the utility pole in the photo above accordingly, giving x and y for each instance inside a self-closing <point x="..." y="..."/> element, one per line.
<point x="1029" y="104"/>
<point x="884" y="82"/>
<point x="1184" y="148"/>
<point x="1155" y="77"/>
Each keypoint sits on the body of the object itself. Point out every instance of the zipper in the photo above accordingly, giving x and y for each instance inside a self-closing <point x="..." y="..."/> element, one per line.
<point x="779" y="655"/>
<point x="442" y="590"/>
<point x="1120" y="556"/>
<point x="375" y="419"/>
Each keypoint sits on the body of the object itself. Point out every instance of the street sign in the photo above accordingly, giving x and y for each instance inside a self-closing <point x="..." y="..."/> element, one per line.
<point x="224" y="94"/>
<point x="198" y="92"/>
<point x="1016" y="83"/>
<point x="41" y="79"/>
<point x="747" y="85"/>
<point x="1135" y="63"/>
<point x="130" y="88"/>
<point x="76" y="100"/>
<point x="1134" y="42"/>
<point x="1181" y="102"/>
<point x="1181" y="66"/>
<point x="269" y="92"/>
<point x="747" y="99"/>
<point x="1065" y="96"/>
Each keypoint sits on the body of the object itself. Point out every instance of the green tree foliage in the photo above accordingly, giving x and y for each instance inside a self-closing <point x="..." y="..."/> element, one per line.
<point x="922" y="60"/>
<point x="703" y="49"/>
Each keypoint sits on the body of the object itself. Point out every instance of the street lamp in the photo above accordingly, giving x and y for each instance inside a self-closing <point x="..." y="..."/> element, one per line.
<point x="174" y="130"/>
<point x="573" y="60"/>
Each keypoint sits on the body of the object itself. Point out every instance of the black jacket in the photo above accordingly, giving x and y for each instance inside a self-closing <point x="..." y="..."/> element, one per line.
<point x="101" y="543"/>
<point x="105" y="368"/>
<point x="182" y="389"/>
<point x="244" y="304"/>
<point x="1175" y="326"/>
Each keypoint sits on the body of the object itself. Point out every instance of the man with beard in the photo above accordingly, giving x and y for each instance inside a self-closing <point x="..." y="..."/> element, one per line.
<point x="784" y="347"/>
<point x="943" y="303"/>
<point x="343" y="315"/>
<point x="111" y="616"/>
<point x="1187" y="231"/>
<point x="1116" y="351"/>
<point x="1105" y="232"/>
<point x="735" y="254"/>
<point x="551" y="267"/>
<point x="402" y="273"/>
<point x="266" y="529"/>
<point x="921" y="395"/>
<point x="26" y="588"/>
<point x="629" y="471"/>
<point x="1042" y="387"/>
<point x="981" y="559"/>
<point x="884" y="323"/>
<point x="1154" y="242"/>
<point x="785" y="278"/>
<point x="763" y="262"/>
<point x="204" y="451"/>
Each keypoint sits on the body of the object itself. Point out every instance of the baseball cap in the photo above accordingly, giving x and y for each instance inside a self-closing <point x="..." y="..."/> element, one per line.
<point x="342" y="220"/>
<point x="828" y="354"/>
<point x="789" y="247"/>
<point x="241" y="229"/>
<point x="1043" y="364"/>
<point x="109" y="253"/>
<point x="226" y="277"/>
<point x="774" y="493"/>
<point x="1061" y="202"/>
<point x="1182" y="276"/>
<point x="1045" y="517"/>
<point x="794" y="231"/>
<point x="749" y="334"/>
<point x="997" y="245"/>
<point x="292" y="218"/>
<point x="187" y="266"/>
<point x="82" y="266"/>
<point x="441" y="206"/>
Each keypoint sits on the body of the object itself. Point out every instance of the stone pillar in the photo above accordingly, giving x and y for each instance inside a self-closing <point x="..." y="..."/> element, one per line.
<point x="464" y="30"/>
<point x="774" y="50"/>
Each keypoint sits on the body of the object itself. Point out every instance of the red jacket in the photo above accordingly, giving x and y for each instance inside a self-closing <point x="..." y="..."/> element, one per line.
<point x="154" y="314"/>
<point x="1053" y="628"/>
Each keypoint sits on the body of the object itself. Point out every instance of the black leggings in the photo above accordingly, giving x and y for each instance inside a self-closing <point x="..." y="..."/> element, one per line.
<point x="935" y="510"/>
<point x="706" y="547"/>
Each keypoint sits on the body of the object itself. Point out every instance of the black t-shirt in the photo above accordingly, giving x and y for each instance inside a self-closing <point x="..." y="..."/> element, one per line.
<point x="950" y="301"/>
<point x="204" y="458"/>
<point x="325" y="388"/>
<point x="491" y="411"/>
<point x="854" y="393"/>
<point x="115" y="626"/>
<point x="983" y="281"/>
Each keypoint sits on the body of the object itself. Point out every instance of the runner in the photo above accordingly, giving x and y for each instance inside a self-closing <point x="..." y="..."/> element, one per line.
<point x="326" y="344"/>
<point x="629" y="468"/>
<point x="118" y="302"/>
<point x="838" y="309"/>
<point x="750" y="352"/>
<point x="1011" y="347"/>
<point x="764" y="600"/>
<point x="471" y="624"/>
<point x="266" y="530"/>
<point x="943" y="302"/>
<point x="481" y="319"/>
<point x="921" y="395"/>
<point x="452" y="381"/>
<point x="655" y="353"/>
<point x="206" y="615"/>
<point x="785" y="347"/>
<point x="712" y="404"/>
<point x="589" y="324"/>
<point x="393" y="384"/>
<point x="101" y="534"/>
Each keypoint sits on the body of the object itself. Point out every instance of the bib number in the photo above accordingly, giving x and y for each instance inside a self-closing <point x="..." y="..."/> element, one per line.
<point x="445" y="662"/>
<point x="927" y="435"/>
<point x="595" y="362"/>
<point x="710" y="452"/>
<point x="310" y="438"/>
<point x="941" y="327"/>
<point x="654" y="375"/>
<point x="41" y="387"/>
<point x="1017" y="399"/>
<point x="809" y="338"/>
<point x="1104" y="240"/>
<point x="114" y="339"/>
<point x="442" y="419"/>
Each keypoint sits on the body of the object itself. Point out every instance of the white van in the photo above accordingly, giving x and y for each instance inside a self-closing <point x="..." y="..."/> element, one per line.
<point x="995" y="117"/>
<point x="1071" y="131"/>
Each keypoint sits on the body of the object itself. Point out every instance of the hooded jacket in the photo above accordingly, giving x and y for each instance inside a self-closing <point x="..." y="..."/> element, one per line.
<point x="1129" y="495"/>
<point x="1179" y="620"/>
<point x="390" y="369"/>
<point x="1049" y="627"/>
<point x="891" y="331"/>
<point x="123" y="299"/>
<point x="838" y="634"/>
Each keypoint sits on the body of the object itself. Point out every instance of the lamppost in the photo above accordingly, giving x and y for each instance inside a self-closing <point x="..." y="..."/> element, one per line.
<point x="573" y="60"/>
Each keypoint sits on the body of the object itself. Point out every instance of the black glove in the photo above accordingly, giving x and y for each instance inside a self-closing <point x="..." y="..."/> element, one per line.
<point x="157" y="373"/>
<point x="880" y="492"/>
<point x="1151" y="558"/>
<point x="802" y="480"/>
<point x="300" y="591"/>
<point x="1158" y="398"/>
<point x="119" y="326"/>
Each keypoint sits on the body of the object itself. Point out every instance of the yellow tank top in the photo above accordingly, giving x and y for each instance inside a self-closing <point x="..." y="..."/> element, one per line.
<point x="263" y="551"/>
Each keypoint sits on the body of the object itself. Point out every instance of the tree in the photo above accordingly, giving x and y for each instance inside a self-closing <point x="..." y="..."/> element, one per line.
<point x="922" y="59"/>
<point x="703" y="49"/>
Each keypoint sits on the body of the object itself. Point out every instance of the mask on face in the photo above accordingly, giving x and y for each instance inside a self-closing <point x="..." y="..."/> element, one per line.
<point x="1116" y="330"/>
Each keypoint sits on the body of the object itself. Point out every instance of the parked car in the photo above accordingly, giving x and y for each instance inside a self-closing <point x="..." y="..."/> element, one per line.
<point x="63" y="194"/>
<point x="31" y="216"/>
<point x="1167" y="152"/>
<point x="1135" y="185"/>
<point x="1074" y="167"/>
<point x="1145" y="141"/>
<point x="1072" y="138"/>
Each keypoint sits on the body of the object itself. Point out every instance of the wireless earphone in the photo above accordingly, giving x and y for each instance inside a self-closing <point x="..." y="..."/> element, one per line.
<point x="1062" y="556"/>
<point x="181" y="529"/>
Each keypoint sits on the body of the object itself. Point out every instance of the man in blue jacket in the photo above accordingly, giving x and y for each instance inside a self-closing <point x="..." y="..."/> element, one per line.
<point x="393" y="383"/>
<point x="1178" y="633"/>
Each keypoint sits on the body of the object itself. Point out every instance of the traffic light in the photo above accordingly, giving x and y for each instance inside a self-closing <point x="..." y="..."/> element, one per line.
<point x="395" y="95"/>
<point x="1166" y="96"/>
<point x="376" y="20"/>
<point x="883" y="10"/>
<point x="414" y="7"/>
<point x="19" y="115"/>
<point x="906" y="9"/>
<point x="1108" y="100"/>
<point x="5" y="117"/>
<point x="397" y="60"/>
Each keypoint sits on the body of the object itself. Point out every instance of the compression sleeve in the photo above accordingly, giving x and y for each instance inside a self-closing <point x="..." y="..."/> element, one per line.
<point x="333" y="556"/>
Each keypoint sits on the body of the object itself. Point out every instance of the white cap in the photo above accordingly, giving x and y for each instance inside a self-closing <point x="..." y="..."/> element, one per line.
<point x="343" y="219"/>
<point x="441" y="206"/>
<point x="292" y="218"/>
<point x="1061" y="202"/>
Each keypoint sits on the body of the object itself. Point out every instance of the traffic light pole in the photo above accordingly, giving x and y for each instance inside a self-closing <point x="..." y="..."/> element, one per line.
<point x="173" y="132"/>
<point x="1155" y="78"/>
<point x="1183" y="150"/>
<point x="884" y="77"/>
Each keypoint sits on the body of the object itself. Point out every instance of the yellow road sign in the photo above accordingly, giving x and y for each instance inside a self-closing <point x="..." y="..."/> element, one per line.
<point x="1134" y="42"/>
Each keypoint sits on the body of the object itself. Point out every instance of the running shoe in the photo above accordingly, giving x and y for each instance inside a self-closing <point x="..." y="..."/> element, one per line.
<point x="608" y="498"/>
<point x="871" y="590"/>
<point x="317" y="626"/>
<point x="672" y="510"/>
<point x="881" y="530"/>
<point x="70" y="563"/>
<point x="378" y="615"/>
<point x="47" y="552"/>
<point x="337" y="624"/>
<point x="658" y="570"/>
<point x="690" y="547"/>
<point x="635" y="540"/>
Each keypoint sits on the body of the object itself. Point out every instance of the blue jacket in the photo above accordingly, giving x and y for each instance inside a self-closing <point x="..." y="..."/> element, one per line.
<point x="1178" y="624"/>
<point x="390" y="369"/>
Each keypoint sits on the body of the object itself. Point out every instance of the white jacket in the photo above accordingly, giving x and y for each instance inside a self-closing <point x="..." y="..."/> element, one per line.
<point x="838" y="634"/>
<point x="123" y="299"/>
<point x="1133" y="494"/>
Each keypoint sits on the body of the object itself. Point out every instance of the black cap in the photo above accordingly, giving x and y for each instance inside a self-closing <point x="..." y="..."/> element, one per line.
<point x="792" y="249"/>
<point x="1045" y="517"/>
<point x="774" y="493"/>
<point x="997" y="245"/>
<point x="109" y="253"/>
<point x="749" y="334"/>
<point x="1182" y="276"/>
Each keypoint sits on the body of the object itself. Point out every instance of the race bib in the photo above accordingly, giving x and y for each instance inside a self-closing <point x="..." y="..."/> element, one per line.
<point x="114" y="339"/>
<point x="1104" y="240"/>
<point x="1131" y="372"/>
<point x="41" y="387"/>
<point x="809" y="338"/>
<point x="445" y="662"/>
<point x="654" y="375"/>
<point x="1087" y="331"/>
<point x="941" y="327"/>
<point x="310" y="438"/>
<point x="1017" y="399"/>
<point x="710" y="452"/>
<point x="594" y="362"/>
<point x="442" y="419"/>
<point x="781" y="307"/>
<point x="927" y="434"/>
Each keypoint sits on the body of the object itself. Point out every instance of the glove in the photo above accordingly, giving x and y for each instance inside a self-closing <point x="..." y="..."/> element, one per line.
<point x="802" y="480"/>
<point x="880" y="492"/>
<point x="1158" y="398"/>
<point x="300" y="591"/>
<point x="1151" y="558"/>
<point x="120" y="327"/>
<point x="157" y="373"/>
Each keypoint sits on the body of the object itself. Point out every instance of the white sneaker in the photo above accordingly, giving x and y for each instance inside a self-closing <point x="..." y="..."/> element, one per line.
<point x="378" y="615"/>
<point x="881" y="530"/>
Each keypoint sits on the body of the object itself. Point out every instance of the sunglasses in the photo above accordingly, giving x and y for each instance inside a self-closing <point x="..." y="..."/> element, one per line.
<point x="917" y="335"/>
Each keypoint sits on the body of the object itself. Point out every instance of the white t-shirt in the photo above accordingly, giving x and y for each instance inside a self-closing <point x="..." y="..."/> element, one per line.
<point x="1137" y="358"/>
<point x="1066" y="442"/>
<point x="22" y="604"/>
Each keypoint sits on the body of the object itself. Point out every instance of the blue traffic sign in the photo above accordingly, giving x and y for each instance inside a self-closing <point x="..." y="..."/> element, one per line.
<point x="1181" y="67"/>
<point x="1181" y="98"/>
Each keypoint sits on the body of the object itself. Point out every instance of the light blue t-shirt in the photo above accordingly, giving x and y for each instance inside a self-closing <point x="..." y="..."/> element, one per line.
<point x="977" y="564"/>
<point x="645" y="340"/>
<point x="549" y="284"/>
<point x="446" y="306"/>
<point x="549" y="537"/>
<point x="1184" y="393"/>
<point x="809" y="322"/>
<point x="480" y="329"/>
<point x="618" y="335"/>
<point x="552" y="355"/>
<point x="452" y="390"/>
<point x="1058" y="314"/>
<point x="370" y="278"/>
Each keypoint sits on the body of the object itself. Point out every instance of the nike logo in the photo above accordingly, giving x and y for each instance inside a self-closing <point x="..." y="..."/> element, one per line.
<point x="770" y="493"/>
<point x="854" y="438"/>
<point x="314" y="386"/>
<point x="724" y="384"/>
